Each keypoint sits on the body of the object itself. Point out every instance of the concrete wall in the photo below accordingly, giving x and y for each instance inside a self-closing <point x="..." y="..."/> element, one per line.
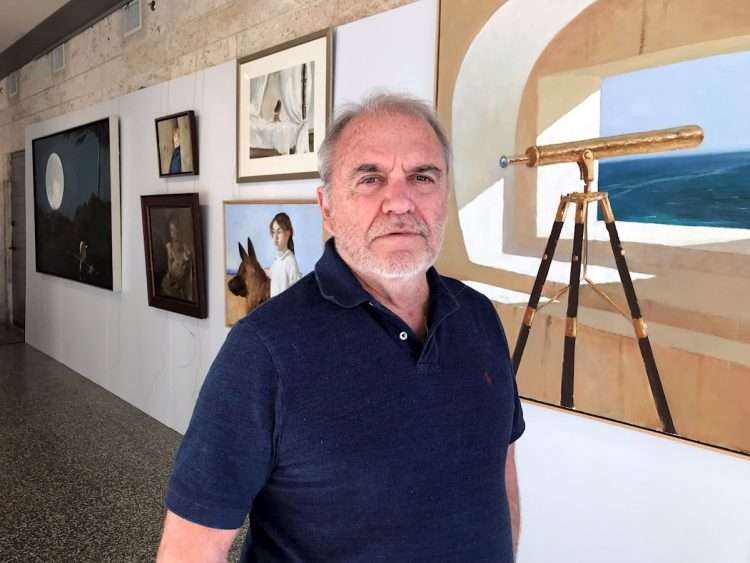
<point x="178" y="38"/>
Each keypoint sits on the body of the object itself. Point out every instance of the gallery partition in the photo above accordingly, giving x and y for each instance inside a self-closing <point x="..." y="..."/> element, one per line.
<point x="154" y="359"/>
<point x="591" y="490"/>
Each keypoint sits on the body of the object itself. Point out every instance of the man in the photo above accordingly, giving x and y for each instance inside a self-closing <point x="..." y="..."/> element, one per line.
<point x="367" y="413"/>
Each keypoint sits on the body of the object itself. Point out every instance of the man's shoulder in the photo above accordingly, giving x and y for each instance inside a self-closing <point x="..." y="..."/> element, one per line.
<point x="473" y="304"/>
<point x="300" y="300"/>
<point x="465" y="294"/>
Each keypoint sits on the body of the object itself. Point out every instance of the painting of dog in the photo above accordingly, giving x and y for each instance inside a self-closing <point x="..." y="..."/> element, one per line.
<point x="268" y="247"/>
<point x="251" y="281"/>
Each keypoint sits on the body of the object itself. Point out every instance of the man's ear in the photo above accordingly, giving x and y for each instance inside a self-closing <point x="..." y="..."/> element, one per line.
<point x="325" y="208"/>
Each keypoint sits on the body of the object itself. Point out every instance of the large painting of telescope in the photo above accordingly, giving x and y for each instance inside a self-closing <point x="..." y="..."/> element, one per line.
<point x="597" y="69"/>
<point x="707" y="186"/>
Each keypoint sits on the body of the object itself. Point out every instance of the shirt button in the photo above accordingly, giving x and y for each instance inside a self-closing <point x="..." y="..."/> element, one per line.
<point x="402" y="335"/>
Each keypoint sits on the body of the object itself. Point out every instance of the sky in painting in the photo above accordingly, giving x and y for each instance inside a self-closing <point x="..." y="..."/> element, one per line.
<point x="712" y="92"/>
<point x="251" y="220"/>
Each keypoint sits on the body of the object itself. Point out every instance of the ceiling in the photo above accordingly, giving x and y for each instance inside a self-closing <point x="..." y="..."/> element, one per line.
<point x="18" y="17"/>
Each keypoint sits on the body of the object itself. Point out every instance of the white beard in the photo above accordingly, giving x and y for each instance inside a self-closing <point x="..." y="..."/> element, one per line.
<point x="397" y="265"/>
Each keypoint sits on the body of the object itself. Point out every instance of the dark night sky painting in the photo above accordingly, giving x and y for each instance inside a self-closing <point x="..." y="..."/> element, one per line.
<point x="72" y="204"/>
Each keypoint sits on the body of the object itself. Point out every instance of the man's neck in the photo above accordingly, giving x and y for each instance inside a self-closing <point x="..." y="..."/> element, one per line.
<point x="407" y="297"/>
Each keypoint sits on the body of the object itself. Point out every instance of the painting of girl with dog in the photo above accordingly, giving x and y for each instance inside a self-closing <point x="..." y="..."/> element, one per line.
<point x="267" y="248"/>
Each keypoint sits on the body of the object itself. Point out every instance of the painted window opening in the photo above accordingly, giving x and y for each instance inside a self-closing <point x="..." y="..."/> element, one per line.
<point x="707" y="186"/>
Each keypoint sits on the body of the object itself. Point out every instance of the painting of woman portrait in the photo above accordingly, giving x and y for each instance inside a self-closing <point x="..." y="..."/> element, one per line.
<point x="177" y="282"/>
<point x="174" y="253"/>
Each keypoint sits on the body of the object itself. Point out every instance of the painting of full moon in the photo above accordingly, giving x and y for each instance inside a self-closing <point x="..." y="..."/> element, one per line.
<point x="55" y="181"/>
<point x="73" y="204"/>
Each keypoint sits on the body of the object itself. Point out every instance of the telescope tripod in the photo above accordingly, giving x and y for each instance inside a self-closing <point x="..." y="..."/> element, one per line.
<point x="580" y="261"/>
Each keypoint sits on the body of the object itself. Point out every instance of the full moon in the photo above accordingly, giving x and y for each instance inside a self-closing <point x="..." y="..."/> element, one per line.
<point x="55" y="180"/>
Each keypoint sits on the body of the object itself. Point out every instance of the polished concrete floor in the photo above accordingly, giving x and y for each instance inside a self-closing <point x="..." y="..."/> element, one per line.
<point x="82" y="473"/>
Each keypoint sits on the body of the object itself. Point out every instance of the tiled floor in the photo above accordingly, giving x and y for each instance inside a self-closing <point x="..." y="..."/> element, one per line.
<point x="82" y="473"/>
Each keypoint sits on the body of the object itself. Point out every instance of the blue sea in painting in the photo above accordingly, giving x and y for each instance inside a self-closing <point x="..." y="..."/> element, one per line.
<point x="706" y="189"/>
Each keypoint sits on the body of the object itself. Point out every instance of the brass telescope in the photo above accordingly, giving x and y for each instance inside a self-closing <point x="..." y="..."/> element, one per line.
<point x="585" y="153"/>
<point x="659" y="140"/>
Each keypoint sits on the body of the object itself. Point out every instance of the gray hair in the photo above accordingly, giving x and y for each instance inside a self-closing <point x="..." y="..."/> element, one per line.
<point x="379" y="103"/>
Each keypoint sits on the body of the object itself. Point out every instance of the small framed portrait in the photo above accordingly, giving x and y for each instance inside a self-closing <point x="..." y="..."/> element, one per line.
<point x="268" y="247"/>
<point x="173" y="242"/>
<point x="283" y="109"/>
<point x="177" y="144"/>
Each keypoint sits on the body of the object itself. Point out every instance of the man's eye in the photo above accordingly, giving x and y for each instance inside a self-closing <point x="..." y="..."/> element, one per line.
<point x="422" y="179"/>
<point x="369" y="180"/>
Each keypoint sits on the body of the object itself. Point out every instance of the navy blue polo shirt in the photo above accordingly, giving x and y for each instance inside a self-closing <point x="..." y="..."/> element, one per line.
<point x="346" y="438"/>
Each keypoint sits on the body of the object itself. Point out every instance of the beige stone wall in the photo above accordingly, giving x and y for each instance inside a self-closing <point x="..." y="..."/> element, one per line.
<point x="178" y="38"/>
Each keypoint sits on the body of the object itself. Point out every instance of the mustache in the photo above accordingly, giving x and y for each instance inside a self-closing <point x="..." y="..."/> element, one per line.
<point x="406" y="224"/>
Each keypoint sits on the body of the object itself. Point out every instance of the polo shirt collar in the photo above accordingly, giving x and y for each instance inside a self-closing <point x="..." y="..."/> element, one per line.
<point x="443" y="301"/>
<point x="336" y="280"/>
<point x="338" y="284"/>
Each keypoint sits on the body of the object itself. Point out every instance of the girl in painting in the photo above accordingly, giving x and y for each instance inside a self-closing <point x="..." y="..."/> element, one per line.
<point x="178" y="281"/>
<point x="284" y="270"/>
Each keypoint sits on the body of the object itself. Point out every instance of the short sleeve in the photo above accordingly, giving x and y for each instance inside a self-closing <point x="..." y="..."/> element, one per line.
<point x="519" y="424"/>
<point x="293" y="274"/>
<point x="227" y="453"/>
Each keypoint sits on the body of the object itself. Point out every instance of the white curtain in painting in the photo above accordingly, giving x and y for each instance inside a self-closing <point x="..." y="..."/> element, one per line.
<point x="265" y="134"/>
<point x="290" y="81"/>
<point x="257" y="92"/>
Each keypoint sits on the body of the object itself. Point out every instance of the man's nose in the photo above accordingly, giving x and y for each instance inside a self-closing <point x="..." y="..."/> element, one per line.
<point x="397" y="197"/>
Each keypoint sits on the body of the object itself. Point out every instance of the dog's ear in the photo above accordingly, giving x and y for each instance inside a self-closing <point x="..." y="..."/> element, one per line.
<point x="243" y="254"/>
<point x="250" y="248"/>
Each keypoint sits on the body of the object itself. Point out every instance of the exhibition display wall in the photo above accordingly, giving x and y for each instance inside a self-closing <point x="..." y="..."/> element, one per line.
<point x="154" y="359"/>
<point x="591" y="491"/>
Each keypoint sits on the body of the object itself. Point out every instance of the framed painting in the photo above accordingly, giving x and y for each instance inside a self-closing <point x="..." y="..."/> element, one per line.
<point x="283" y="109"/>
<point x="177" y="144"/>
<point x="173" y="242"/>
<point x="268" y="246"/>
<point x="682" y="217"/>
<point x="76" y="176"/>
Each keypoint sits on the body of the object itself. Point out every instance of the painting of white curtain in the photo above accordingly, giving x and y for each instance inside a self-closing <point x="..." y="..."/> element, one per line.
<point x="283" y="104"/>
<point x="281" y="112"/>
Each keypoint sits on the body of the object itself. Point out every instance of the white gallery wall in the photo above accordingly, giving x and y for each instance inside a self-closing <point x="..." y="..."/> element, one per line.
<point x="591" y="491"/>
<point x="154" y="359"/>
